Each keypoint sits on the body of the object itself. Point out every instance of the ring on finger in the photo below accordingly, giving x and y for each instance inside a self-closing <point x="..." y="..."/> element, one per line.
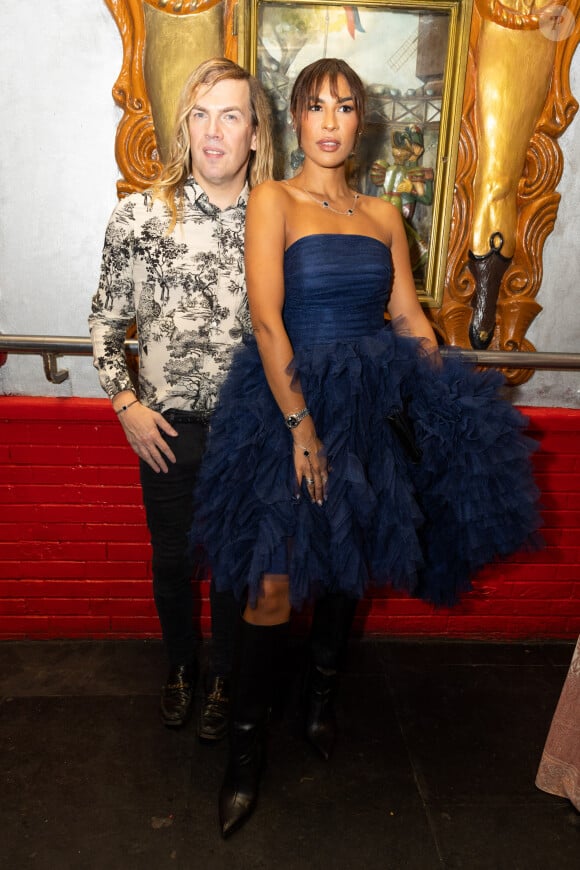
<point x="309" y="481"/>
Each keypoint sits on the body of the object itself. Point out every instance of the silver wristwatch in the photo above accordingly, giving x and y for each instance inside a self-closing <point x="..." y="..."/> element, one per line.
<point x="292" y="420"/>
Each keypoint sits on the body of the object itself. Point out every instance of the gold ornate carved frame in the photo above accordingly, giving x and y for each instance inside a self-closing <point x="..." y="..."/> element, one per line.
<point x="492" y="275"/>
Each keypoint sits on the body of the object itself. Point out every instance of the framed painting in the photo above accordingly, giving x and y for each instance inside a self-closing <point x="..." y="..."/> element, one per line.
<point x="412" y="57"/>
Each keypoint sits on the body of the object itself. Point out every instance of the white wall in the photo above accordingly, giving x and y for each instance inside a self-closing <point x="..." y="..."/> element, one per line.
<point x="58" y="63"/>
<point x="557" y="327"/>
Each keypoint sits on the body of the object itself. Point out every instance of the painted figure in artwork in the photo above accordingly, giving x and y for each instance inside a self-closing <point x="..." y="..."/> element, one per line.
<point x="405" y="183"/>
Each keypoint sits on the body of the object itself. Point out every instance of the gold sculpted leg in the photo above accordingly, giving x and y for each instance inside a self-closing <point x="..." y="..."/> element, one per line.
<point x="515" y="63"/>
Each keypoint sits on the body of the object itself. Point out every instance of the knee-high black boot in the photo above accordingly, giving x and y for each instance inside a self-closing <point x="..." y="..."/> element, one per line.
<point x="331" y="624"/>
<point x="257" y="659"/>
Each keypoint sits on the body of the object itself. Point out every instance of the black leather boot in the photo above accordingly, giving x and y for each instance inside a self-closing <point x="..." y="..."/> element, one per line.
<point x="320" y="715"/>
<point x="256" y="665"/>
<point x="214" y="714"/>
<point x="176" y="702"/>
<point x="488" y="271"/>
<point x="215" y="708"/>
<point x="331" y="624"/>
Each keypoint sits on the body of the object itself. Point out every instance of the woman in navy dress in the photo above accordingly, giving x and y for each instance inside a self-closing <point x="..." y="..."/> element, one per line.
<point x="344" y="452"/>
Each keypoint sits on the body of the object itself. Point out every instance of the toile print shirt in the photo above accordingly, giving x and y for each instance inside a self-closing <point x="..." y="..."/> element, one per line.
<point x="185" y="291"/>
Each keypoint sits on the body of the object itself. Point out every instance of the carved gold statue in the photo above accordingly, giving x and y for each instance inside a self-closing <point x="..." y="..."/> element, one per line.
<point x="514" y="62"/>
<point x="174" y="45"/>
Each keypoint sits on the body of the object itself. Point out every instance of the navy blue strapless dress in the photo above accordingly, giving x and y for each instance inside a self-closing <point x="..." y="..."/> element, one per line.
<point x="424" y="527"/>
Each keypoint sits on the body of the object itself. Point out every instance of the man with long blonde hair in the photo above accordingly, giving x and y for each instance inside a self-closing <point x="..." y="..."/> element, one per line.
<point x="173" y="262"/>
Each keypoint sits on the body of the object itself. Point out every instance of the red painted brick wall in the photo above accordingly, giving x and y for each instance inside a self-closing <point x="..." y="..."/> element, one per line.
<point x="74" y="552"/>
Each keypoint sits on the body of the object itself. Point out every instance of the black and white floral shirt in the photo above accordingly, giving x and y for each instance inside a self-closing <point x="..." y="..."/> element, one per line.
<point x="186" y="291"/>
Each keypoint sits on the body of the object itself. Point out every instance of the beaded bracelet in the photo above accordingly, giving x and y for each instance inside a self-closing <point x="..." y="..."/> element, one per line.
<point x="124" y="407"/>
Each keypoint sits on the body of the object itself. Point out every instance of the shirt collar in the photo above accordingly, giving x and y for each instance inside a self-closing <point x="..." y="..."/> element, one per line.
<point x="197" y="195"/>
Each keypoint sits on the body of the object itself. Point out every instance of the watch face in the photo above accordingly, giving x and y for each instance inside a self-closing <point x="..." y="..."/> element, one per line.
<point x="292" y="420"/>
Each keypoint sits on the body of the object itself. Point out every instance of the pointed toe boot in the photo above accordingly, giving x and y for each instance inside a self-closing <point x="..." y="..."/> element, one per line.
<point x="239" y="792"/>
<point x="256" y="666"/>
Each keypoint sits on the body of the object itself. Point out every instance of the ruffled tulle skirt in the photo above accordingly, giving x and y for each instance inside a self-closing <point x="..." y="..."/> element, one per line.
<point x="425" y="527"/>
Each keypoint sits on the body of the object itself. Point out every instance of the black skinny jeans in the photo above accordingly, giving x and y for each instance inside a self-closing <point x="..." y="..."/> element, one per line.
<point x="168" y="500"/>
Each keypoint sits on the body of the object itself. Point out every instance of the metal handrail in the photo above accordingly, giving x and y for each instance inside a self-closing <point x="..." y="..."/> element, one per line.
<point x="50" y="347"/>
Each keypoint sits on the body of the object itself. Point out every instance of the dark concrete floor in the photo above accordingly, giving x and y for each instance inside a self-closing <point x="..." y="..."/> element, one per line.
<point x="435" y="767"/>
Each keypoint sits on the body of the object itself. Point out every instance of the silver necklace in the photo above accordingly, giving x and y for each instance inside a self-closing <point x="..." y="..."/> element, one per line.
<point x="324" y="203"/>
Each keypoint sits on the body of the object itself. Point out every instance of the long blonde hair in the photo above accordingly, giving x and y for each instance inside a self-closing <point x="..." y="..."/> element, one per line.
<point x="177" y="168"/>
